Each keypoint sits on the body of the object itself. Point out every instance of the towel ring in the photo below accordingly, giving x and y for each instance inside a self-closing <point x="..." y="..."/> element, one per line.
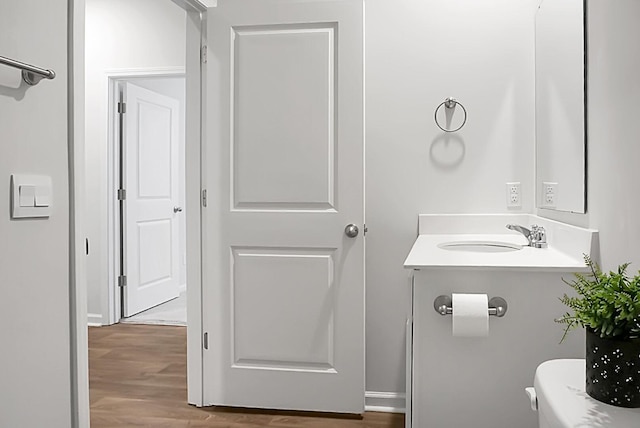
<point x="450" y="103"/>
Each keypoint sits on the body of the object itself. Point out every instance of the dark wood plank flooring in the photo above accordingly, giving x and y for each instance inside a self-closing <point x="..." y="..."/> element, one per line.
<point x="137" y="378"/>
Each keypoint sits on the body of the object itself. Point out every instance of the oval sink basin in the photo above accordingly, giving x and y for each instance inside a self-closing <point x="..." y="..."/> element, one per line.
<point x="480" y="246"/>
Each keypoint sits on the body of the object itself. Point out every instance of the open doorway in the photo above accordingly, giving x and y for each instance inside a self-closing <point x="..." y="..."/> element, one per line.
<point x="146" y="44"/>
<point x="150" y="49"/>
<point x="149" y="185"/>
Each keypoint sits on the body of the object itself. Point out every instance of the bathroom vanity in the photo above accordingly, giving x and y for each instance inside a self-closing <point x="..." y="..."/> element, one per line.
<point x="479" y="382"/>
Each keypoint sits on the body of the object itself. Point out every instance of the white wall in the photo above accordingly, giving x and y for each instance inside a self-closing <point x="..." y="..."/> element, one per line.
<point x="417" y="54"/>
<point x="34" y="255"/>
<point x="613" y="199"/>
<point x="120" y="35"/>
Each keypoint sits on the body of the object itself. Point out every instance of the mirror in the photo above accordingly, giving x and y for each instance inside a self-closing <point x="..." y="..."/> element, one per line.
<point x="560" y="74"/>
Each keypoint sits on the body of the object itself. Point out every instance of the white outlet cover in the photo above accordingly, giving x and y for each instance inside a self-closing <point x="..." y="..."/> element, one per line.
<point x="549" y="197"/>
<point x="514" y="195"/>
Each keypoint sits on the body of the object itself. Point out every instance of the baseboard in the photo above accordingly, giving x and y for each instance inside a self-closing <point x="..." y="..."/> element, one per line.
<point x="94" y="320"/>
<point x="388" y="402"/>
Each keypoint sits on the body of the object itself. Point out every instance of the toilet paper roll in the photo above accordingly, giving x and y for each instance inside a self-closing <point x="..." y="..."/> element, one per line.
<point x="470" y="315"/>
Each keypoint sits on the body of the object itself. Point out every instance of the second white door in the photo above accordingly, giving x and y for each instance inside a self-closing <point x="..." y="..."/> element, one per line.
<point x="150" y="211"/>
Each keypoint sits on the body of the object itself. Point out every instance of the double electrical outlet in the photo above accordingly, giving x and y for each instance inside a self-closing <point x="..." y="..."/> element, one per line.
<point x="514" y="197"/>
<point x="549" y="194"/>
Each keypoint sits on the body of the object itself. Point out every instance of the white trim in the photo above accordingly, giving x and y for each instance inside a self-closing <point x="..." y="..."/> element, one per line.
<point x="409" y="358"/>
<point x="388" y="402"/>
<point x="95" y="320"/>
<point x="195" y="128"/>
<point x="78" y="335"/>
<point x="125" y="73"/>
<point x="183" y="288"/>
<point x="195" y="5"/>
<point x="111" y="308"/>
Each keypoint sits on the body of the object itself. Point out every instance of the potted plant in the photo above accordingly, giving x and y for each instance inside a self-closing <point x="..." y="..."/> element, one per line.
<point x="608" y="306"/>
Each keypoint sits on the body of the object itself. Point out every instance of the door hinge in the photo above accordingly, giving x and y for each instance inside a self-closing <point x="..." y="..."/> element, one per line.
<point x="122" y="194"/>
<point x="122" y="281"/>
<point x="205" y="341"/>
<point x="203" y="54"/>
<point x="122" y="107"/>
<point x="204" y="197"/>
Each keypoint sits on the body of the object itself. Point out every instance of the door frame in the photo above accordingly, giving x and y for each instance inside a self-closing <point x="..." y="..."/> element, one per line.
<point x="112" y="311"/>
<point x="196" y="83"/>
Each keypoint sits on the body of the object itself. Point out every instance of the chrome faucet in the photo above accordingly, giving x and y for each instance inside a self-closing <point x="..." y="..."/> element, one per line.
<point x="537" y="236"/>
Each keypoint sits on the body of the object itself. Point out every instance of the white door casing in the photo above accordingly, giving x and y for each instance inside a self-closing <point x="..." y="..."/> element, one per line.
<point x="283" y="287"/>
<point x="151" y="177"/>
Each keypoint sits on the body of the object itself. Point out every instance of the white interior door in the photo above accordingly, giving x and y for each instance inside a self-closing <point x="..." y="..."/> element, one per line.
<point x="284" y="286"/>
<point x="151" y="227"/>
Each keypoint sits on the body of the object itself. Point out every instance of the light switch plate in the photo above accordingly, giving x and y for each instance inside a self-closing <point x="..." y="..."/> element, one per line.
<point x="31" y="196"/>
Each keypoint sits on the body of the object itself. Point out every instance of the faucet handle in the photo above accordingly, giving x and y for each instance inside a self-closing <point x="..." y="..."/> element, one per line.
<point x="538" y="238"/>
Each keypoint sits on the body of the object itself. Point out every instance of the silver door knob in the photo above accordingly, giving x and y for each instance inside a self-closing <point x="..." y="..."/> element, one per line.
<point x="351" y="230"/>
<point x="177" y="209"/>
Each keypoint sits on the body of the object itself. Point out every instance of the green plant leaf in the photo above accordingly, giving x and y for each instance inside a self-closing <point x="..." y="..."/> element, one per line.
<point x="608" y="303"/>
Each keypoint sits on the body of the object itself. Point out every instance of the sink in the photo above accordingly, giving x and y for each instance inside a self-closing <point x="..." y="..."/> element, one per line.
<point x="480" y="246"/>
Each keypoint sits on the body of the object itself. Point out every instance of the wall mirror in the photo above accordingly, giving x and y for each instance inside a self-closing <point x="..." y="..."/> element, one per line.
<point x="560" y="74"/>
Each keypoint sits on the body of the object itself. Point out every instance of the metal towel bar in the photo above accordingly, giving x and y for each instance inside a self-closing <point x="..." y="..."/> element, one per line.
<point x="30" y="73"/>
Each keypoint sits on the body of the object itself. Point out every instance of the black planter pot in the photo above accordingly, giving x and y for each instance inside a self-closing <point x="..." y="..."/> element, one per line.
<point x="613" y="370"/>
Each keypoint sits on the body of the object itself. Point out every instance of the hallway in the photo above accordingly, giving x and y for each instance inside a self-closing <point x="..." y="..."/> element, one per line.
<point x="137" y="376"/>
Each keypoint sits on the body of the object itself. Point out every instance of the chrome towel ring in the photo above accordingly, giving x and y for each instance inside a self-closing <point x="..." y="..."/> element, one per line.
<point x="450" y="104"/>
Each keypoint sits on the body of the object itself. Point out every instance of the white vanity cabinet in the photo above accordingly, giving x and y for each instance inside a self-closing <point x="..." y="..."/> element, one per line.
<point x="479" y="382"/>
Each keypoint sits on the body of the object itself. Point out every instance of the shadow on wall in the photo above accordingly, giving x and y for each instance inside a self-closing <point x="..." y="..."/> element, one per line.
<point x="13" y="87"/>
<point x="447" y="151"/>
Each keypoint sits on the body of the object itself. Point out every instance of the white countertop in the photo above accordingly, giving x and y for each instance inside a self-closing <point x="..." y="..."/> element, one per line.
<point x="425" y="254"/>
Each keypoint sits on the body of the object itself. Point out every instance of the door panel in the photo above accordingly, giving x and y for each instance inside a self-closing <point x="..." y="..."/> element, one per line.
<point x="150" y="166"/>
<point x="154" y="150"/>
<point x="283" y="296"/>
<point x="291" y="292"/>
<point x="284" y="103"/>
<point x="154" y="241"/>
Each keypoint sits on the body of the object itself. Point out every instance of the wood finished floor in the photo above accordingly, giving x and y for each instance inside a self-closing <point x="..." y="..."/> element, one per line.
<point x="137" y="378"/>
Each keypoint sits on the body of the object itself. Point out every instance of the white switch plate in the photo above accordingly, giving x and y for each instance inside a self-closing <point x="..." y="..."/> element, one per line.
<point x="513" y="195"/>
<point x="36" y="191"/>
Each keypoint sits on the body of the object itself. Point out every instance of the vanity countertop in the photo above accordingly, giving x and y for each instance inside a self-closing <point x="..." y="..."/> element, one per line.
<point x="426" y="254"/>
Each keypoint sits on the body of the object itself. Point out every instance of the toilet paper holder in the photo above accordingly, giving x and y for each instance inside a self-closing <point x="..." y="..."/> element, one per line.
<point x="497" y="306"/>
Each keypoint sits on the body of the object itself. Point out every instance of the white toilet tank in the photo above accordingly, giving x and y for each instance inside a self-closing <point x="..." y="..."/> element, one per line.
<point x="563" y="403"/>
